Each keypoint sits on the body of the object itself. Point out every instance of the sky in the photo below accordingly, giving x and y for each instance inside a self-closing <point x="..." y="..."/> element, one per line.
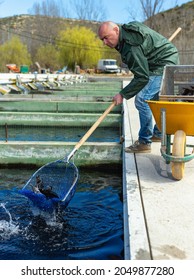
<point x="116" y="10"/>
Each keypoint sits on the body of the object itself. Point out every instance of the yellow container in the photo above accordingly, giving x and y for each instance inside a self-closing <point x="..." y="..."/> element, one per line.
<point x="179" y="116"/>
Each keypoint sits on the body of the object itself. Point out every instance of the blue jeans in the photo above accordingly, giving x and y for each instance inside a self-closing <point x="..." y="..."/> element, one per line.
<point x="150" y="91"/>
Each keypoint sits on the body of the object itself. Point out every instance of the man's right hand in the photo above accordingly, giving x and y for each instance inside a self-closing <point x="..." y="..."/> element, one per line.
<point x="118" y="99"/>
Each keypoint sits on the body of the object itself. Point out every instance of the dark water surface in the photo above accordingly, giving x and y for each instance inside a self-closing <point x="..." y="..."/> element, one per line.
<point x="91" y="227"/>
<point x="67" y="134"/>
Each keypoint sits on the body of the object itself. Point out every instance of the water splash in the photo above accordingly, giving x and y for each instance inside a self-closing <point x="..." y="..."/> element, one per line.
<point x="7" y="228"/>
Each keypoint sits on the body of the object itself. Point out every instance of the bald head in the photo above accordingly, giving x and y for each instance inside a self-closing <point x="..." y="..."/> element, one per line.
<point x="108" y="32"/>
<point x="108" y="25"/>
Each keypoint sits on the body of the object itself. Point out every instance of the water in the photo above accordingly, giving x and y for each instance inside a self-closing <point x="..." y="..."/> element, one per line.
<point x="73" y="134"/>
<point x="91" y="227"/>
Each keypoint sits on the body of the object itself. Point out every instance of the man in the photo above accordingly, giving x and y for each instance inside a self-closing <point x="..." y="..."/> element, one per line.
<point x="145" y="52"/>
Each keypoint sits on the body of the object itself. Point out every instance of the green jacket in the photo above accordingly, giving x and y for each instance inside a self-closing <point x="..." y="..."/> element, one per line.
<point x="145" y="52"/>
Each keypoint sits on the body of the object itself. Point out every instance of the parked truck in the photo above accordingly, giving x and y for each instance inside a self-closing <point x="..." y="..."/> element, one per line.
<point x="108" y="66"/>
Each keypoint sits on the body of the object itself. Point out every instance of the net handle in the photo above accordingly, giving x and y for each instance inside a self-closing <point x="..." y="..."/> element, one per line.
<point x="174" y="34"/>
<point x="91" y="130"/>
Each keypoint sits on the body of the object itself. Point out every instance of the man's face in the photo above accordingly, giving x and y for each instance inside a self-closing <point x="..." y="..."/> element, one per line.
<point x="109" y="35"/>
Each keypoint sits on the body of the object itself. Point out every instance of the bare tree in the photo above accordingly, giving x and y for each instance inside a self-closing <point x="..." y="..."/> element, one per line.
<point x="48" y="15"/>
<point x="150" y="8"/>
<point x="89" y="9"/>
<point x="53" y="8"/>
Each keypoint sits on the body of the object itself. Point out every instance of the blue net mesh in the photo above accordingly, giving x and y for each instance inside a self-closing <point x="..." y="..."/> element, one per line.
<point x="54" y="182"/>
<point x="41" y="201"/>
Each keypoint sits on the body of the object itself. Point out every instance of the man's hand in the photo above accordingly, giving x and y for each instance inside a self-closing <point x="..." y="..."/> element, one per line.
<point x="118" y="99"/>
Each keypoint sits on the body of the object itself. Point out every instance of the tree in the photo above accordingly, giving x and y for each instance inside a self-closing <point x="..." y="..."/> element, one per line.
<point x="48" y="57"/>
<point x="149" y="9"/>
<point x="89" y="9"/>
<point x="14" y="52"/>
<point x="53" y="8"/>
<point x="111" y="54"/>
<point x="79" y="45"/>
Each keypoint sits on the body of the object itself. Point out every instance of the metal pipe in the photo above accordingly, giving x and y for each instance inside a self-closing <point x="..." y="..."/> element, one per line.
<point x="163" y="126"/>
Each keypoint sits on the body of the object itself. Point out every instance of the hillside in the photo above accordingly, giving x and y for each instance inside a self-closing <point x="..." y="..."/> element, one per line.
<point x="37" y="30"/>
<point x="167" y="22"/>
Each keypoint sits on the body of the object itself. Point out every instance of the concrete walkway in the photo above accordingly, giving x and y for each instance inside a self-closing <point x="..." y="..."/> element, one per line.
<point x="159" y="211"/>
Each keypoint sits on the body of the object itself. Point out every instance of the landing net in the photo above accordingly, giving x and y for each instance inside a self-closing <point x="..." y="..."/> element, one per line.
<point x="55" y="181"/>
